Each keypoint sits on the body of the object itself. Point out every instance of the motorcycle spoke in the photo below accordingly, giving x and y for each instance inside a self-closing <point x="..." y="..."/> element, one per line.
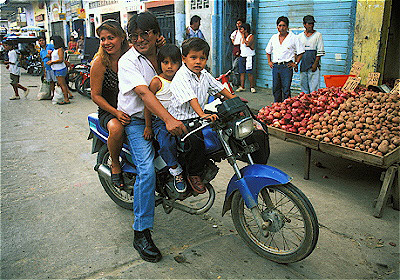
<point x="283" y="240"/>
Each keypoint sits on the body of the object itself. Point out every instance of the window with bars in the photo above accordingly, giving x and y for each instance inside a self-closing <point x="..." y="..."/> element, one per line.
<point x="199" y="4"/>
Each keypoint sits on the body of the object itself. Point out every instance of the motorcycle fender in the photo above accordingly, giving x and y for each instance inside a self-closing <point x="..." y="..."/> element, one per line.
<point x="96" y="143"/>
<point x="255" y="178"/>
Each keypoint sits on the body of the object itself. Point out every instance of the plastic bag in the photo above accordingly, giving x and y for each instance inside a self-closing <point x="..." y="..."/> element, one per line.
<point x="58" y="95"/>
<point x="44" y="91"/>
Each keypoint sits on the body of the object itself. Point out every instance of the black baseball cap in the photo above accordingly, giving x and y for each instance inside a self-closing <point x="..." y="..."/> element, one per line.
<point x="308" y="19"/>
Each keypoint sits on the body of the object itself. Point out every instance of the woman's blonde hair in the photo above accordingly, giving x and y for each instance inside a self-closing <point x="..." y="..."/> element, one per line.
<point x="115" y="29"/>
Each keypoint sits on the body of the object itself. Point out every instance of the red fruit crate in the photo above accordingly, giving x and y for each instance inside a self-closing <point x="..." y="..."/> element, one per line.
<point x="336" y="80"/>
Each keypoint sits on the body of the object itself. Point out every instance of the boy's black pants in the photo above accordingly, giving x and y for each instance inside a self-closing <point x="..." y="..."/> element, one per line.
<point x="195" y="154"/>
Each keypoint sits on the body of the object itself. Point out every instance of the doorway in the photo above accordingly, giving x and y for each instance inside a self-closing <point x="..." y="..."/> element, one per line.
<point x="392" y="60"/>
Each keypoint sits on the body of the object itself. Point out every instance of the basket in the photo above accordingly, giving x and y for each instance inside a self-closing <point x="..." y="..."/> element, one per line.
<point x="336" y="80"/>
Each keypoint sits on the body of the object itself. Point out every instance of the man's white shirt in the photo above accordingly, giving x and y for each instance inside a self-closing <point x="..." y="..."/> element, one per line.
<point x="286" y="51"/>
<point x="134" y="69"/>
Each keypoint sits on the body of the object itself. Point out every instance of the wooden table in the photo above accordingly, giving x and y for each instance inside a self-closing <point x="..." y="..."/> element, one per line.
<point x="390" y="162"/>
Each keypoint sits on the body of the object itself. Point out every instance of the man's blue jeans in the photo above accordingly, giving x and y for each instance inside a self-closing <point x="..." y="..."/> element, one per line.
<point x="281" y="81"/>
<point x="167" y="141"/>
<point x="143" y="156"/>
<point x="309" y="80"/>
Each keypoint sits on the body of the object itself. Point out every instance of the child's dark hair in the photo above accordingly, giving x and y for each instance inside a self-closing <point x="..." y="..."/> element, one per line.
<point x="171" y="51"/>
<point x="195" y="44"/>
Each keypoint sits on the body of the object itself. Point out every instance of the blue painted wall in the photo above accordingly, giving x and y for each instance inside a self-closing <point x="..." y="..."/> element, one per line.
<point x="335" y="20"/>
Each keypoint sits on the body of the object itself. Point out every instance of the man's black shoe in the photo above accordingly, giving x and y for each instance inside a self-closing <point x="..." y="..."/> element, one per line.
<point x="145" y="246"/>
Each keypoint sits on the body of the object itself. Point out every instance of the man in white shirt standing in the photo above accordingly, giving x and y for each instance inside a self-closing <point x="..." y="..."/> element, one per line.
<point x="310" y="63"/>
<point x="284" y="52"/>
<point x="15" y="70"/>
<point x="136" y="68"/>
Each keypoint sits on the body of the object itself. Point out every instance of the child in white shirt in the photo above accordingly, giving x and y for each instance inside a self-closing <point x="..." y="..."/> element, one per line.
<point x="190" y="88"/>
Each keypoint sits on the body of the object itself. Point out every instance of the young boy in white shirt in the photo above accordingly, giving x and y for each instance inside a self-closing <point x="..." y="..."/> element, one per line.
<point x="190" y="88"/>
<point x="15" y="70"/>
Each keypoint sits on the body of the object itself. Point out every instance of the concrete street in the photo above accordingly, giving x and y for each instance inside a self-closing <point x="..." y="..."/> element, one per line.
<point x="57" y="221"/>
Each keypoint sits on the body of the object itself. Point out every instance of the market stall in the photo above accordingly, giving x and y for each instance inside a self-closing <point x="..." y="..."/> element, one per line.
<point x="348" y="121"/>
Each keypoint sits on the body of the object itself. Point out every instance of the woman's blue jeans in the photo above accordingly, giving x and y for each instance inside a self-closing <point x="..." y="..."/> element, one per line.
<point x="143" y="156"/>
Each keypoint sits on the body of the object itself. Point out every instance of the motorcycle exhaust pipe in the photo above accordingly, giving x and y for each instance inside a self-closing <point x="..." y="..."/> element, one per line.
<point x="104" y="171"/>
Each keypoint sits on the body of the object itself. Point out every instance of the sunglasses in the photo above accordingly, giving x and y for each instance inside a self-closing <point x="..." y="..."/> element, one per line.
<point x="144" y="35"/>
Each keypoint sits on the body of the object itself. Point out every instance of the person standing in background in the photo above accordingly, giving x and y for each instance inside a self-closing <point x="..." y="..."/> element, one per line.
<point x="311" y="60"/>
<point x="81" y="44"/>
<point x="72" y="44"/>
<point x="59" y="67"/>
<point x="246" y="59"/>
<point x="12" y="64"/>
<point x="284" y="52"/>
<point x="236" y="40"/>
<point x="45" y="55"/>
<point x="194" y="29"/>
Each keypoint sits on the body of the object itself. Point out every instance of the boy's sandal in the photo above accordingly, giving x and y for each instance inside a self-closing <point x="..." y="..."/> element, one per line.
<point x="118" y="180"/>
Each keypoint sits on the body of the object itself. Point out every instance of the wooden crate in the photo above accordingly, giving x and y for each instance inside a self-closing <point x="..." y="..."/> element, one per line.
<point x="361" y="156"/>
<point x="293" y="137"/>
<point x="338" y="151"/>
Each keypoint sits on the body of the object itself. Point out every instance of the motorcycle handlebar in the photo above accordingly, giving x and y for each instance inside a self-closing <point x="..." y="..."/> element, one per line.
<point x="204" y="123"/>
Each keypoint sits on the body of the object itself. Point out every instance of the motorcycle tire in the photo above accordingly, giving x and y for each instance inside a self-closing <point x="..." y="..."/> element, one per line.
<point x="86" y="88"/>
<point x="120" y="197"/>
<point x="72" y="75"/>
<point x="293" y="233"/>
<point x="78" y="84"/>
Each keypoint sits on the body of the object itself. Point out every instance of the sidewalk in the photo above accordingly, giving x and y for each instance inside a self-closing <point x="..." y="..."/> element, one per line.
<point x="258" y="100"/>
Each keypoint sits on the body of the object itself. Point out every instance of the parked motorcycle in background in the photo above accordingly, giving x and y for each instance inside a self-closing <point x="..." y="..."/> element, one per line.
<point x="272" y="216"/>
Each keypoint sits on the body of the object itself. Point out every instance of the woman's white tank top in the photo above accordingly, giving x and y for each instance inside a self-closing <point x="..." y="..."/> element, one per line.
<point x="56" y="66"/>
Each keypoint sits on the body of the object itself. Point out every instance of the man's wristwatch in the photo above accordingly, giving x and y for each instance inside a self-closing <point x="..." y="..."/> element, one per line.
<point x="296" y="62"/>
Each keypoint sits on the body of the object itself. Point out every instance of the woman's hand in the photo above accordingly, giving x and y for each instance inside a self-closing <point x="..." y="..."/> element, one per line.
<point x="49" y="62"/>
<point x="148" y="133"/>
<point x="123" y="117"/>
<point x="161" y="41"/>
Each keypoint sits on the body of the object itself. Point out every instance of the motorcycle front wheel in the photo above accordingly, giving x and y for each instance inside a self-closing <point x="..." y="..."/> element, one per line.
<point x="293" y="231"/>
<point x="123" y="198"/>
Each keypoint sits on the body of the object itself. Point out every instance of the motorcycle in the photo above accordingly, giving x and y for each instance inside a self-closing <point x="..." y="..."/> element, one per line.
<point x="74" y="73"/>
<point x="272" y="216"/>
<point x="34" y="66"/>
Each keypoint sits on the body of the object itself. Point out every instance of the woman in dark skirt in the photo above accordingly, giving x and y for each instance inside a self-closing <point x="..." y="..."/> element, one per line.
<point x="104" y="90"/>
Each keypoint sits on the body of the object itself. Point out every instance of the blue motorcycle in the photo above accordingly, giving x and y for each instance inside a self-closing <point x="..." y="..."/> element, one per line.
<point x="273" y="217"/>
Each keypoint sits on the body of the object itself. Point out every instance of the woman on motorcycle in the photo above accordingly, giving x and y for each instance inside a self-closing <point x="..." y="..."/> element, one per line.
<point x="104" y="90"/>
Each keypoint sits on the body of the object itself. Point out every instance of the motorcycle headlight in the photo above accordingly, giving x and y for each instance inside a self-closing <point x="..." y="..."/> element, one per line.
<point x="243" y="128"/>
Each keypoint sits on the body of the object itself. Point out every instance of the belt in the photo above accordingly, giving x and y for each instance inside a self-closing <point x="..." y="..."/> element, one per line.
<point x="284" y="62"/>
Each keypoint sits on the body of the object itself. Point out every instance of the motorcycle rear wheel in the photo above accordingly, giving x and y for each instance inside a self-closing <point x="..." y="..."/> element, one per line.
<point x="120" y="197"/>
<point x="294" y="230"/>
